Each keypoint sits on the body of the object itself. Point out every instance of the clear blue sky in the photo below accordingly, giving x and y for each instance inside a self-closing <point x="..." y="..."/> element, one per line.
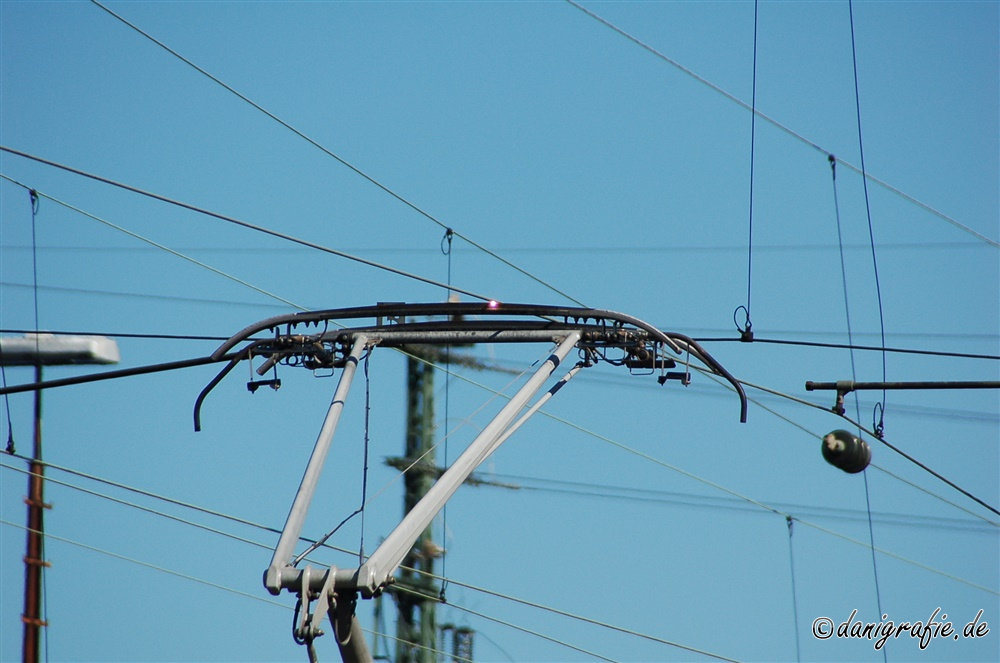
<point x="603" y="170"/>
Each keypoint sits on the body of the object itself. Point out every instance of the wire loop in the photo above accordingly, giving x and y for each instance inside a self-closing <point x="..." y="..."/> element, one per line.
<point x="878" y="420"/>
<point x="746" y="335"/>
<point x="449" y="235"/>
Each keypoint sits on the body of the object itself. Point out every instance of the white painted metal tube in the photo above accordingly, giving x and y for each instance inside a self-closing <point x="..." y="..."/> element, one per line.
<point x="297" y="514"/>
<point x="534" y="408"/>
<point x="389" y="555"/>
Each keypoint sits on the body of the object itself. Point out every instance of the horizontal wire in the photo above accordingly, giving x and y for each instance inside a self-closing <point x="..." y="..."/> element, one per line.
<point x="242" y="224"/>
<point x="138" y="295"/>
<point x="629" y="381"/>
<point x="796" y="343"/>
<point x="626" y="493"/>
<point x="850" y="346"/>
<point x="778" y="125"/>
<point x="339" y="159"/>
<point x="773" y="392"/>
<point x="565" y="250"/>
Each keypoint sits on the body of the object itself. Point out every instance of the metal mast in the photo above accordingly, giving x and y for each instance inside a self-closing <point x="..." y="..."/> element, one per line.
<point x="415" y="591"/>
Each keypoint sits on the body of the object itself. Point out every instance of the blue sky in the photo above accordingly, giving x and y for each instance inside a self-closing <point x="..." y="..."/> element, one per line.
<point x="600" y="168"/>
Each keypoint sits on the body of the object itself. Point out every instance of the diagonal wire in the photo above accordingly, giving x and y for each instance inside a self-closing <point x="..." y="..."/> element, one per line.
<point x="51" y="536"/>
<point x="157" y="245"/>
<point x="778" y="125"/>
<point x="577" y="617"/>
<point x="502" y="622"/>
<point x="338" y="158"/>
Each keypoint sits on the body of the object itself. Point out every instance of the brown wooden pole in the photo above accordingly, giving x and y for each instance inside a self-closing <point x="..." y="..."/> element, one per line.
<point x="34" y="554"/>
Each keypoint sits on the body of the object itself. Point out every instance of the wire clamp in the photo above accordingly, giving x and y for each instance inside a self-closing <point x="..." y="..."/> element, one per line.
<point x="254" y="385"/>
<point x="307" y="622"/>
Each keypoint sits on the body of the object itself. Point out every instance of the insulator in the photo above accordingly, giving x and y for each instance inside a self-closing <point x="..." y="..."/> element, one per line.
<point x="846" y="451"/>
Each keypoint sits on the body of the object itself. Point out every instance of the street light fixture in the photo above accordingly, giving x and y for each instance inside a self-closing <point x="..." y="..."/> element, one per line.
<point x="44" y="350"/>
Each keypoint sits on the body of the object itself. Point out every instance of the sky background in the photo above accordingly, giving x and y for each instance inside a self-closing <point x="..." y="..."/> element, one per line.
<point x="607" y="173"/>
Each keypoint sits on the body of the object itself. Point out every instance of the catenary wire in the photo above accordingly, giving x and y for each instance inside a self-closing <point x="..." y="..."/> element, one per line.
<point x="339" y="159"/>
<point x="586" y="620"/>
<point x="650" y="385"/>
<point x="239" y="281"/>
<point x="242" y="224"/>
<point x="778" y="125"/>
